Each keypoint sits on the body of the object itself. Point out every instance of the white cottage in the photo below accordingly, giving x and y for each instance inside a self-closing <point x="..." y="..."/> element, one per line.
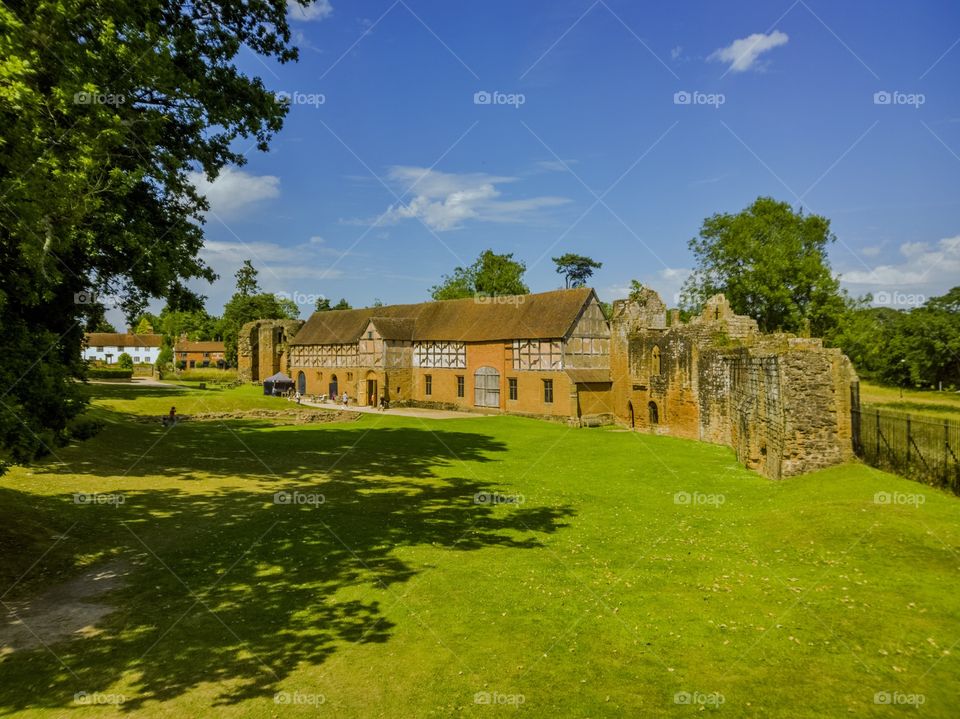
<point x="108" y="346"/>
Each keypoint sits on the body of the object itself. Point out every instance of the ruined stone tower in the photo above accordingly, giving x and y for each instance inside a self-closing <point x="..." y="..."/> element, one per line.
<point x="782" y="402"/>
<point x="262" y="348"/>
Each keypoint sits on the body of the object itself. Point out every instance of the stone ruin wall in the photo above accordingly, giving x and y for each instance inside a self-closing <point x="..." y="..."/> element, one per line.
<point x="782" y="403"/>
<point x="262" y="348"/>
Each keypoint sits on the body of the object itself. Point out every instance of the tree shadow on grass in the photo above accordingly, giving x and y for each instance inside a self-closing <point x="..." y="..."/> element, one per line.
<point x="229" y="586"/>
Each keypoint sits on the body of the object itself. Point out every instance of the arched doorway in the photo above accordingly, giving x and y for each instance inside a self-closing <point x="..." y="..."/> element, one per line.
<point x="486" y="387"/>
<point x="372" y="389"/>
<point x="654" y="413"/>
<point x="633" y="420"/>
<point x="302" y="383"/>
<point x="333" y="386"/>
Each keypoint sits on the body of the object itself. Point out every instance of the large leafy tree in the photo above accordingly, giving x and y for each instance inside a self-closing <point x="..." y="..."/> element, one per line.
<point x="576" y="269"/>
<point x="323" y="305"/>
<point x="919" y="347"/>
<point x="247" y="304"/>
<point x="105" y="110"/>
<point x="771" y="263"/>
<point x="490" y="275"/>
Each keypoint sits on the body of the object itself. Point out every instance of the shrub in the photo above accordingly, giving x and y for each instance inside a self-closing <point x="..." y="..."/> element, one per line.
<point x="84" y="427"/>
<point x="109" y="373"/>
<point x="125" y="361"/>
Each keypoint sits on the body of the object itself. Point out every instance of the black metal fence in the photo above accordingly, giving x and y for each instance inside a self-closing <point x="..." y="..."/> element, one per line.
<point x="920" y="448"/>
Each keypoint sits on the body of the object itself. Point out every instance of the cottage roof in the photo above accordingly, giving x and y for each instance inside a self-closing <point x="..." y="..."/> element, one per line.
<point x="122" y="339"/>
<point x="199" y="346"/>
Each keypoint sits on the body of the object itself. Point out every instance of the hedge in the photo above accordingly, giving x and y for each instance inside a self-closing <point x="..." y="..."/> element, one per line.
<point x="109" y="373"/>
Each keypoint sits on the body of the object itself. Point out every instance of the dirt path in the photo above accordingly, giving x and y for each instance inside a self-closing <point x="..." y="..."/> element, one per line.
<point x="68" y="610"/>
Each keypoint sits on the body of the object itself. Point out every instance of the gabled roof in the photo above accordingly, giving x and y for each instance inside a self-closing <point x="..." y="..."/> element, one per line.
<point x="547" y="315"/>
<point x="200" y="346"/>
<point x="394" y="328"/>
<point x="122" y="339"/>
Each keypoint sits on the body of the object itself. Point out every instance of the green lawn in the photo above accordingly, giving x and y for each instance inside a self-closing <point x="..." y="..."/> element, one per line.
<point x="602" y="593"/>
<point x="929" y="403"/>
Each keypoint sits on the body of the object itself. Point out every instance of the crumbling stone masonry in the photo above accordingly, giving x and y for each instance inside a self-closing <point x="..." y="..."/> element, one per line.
<point x="783" y="403"/>
<point x="262" y="348"/>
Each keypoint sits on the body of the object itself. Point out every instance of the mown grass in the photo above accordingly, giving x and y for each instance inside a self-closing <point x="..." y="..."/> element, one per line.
<point x="928" y="403"/>
<point x="603" y="593"/>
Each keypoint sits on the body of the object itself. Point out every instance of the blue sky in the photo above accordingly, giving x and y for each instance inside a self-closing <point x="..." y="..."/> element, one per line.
<point x="399" y="174"/>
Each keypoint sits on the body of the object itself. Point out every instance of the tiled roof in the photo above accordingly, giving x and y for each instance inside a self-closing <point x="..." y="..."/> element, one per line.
<point x="122" y="339"/>
<point x="200" y="346"/>
<point x="547" y="315"/>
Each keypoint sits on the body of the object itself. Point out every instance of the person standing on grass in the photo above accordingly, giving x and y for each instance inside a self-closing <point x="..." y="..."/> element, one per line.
<point x="173" y="416"/>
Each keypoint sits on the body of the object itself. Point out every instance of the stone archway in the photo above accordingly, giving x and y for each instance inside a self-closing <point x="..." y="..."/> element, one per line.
<point x="654" y="412"/>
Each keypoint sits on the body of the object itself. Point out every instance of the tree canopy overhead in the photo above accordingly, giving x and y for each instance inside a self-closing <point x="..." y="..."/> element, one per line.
<point x="105" y="109"/>
<point x="771" y="263"/>
<point x="490" y="275"/>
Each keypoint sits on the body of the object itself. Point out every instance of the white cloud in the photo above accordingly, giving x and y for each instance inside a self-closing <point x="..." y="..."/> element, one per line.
<point x="925" y="267"/>
<point x="317" y="10"/>
<point x="676" y="52"/>
<point x="444" y="201"/>
<point x="742" y="54"/>
<point x="235" y="191"/>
